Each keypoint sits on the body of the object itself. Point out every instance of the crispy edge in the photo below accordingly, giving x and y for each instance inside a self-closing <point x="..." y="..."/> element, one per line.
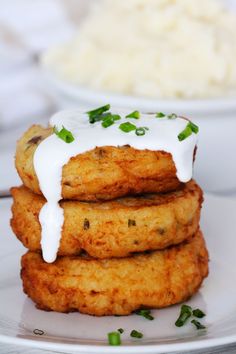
<point x="110" y="287"/>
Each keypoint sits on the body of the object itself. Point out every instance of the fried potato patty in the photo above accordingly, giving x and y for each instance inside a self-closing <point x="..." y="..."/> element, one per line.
<point x="116" y="286"/>
<point x="113" y="228"/>
<point x="102" y="173"/>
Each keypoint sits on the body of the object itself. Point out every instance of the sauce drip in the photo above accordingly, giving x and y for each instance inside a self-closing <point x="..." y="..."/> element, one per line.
<point x="53" y="153"/>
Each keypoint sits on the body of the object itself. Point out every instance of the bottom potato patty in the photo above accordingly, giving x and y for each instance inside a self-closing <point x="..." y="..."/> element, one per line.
<point x="116" y="286"/>
<point x="114" y="228"/>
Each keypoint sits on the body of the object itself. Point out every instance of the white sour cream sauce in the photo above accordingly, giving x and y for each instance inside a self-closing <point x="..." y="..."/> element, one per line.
<point x="52" y="153"/>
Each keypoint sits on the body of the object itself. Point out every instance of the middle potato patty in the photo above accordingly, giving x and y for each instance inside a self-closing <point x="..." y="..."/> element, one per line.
<point x="115" y="228"/>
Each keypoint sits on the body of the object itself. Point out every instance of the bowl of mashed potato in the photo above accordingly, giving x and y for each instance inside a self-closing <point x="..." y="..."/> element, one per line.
<point x="157" y="55"/>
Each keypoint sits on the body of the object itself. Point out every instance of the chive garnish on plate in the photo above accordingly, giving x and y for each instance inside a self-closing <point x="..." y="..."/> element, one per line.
<point x="198" y="313"/>
<point x="114" y="338"/>
<point x="160" y="115"/>
<point x="134" y="114"/>
<point x="136" y="334"/>
<point x="120" y="330"/>
<point x="185" y="313"/>
<point x="197" y="324"/>
<point x="64" y="134"/>
<point x="38" y="332"/>
<point x="145" y="313"/>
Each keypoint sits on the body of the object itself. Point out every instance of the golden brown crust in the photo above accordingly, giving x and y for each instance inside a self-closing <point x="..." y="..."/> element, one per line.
<point x="102" y="173"/>
<point x="116" y="286"/>
<point x="113" y="228"/>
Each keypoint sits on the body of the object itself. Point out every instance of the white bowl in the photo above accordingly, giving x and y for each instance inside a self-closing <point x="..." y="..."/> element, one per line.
<point x="70" y="94"/>
<point x="215" y="166"/>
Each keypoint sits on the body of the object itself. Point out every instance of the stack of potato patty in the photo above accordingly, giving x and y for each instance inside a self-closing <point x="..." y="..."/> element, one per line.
<point x="130" y="238"/>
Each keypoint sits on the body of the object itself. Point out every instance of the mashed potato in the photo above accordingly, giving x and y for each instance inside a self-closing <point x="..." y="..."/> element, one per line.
<point x="153" y="48"/>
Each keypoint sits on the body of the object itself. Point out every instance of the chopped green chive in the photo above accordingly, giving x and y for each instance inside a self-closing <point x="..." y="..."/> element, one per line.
<point x="120" y="330"/>
<point x="185" y="313"/>
<point x="109" y="119"/>
<point x="127" y="127"/>
<point x="172" y="116"/>
<point x="136" y="334"/>
<point x="198" y="324"/>
<point x="116" y="116"/>
<point x="145" y="313"/>
<point x="140" y="131"/>
<point x="189" y="129"/>
<point x="114" y="338"/>
<point x="134" y="114"/>
<point x="160" y="115"/>
<point x="64" y="134"/>
<point x="185" y="133"/>
<point x="193" y="127"/>
<point x="95" y="115"/>
<point x="107" y="122"/>
<point x="198" y="313"/>
<point x="186" y="308"/>
<point x="98" y="118"/>
<point x="169" y="116"/>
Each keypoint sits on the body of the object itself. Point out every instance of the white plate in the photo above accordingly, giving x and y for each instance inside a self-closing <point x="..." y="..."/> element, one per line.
<point x="87" y="334"/>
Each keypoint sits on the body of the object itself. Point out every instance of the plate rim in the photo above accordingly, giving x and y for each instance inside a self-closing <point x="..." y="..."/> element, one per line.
<point x="94" y="349"/>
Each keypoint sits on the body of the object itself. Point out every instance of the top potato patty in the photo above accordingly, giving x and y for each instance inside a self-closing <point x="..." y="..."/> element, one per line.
<point x="102" y="173"/>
